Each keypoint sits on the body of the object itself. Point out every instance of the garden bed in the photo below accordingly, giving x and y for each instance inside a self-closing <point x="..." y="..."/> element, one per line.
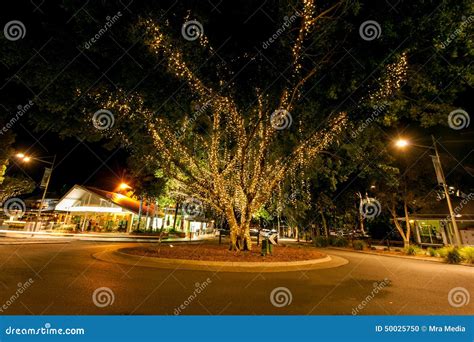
<point x="214" y="252"/>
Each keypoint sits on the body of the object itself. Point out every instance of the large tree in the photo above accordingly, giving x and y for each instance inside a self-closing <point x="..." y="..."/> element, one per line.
<point x="209" y="126"/>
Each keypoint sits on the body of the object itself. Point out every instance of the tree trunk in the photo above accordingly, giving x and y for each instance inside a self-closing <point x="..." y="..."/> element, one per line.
<point x="405" y="237"/>
<point x="408" y="225"/>
<point x="325" y="226"/>
<point x="240" y="239"/>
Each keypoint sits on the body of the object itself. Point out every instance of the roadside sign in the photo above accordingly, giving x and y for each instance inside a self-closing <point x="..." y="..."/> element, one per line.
<point x="46" y="175"/>
<point x="437" y="167"/>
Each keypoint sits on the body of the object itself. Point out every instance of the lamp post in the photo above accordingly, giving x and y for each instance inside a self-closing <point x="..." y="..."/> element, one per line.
<point x="27" y="158"/>
<point x="401" y="143"/>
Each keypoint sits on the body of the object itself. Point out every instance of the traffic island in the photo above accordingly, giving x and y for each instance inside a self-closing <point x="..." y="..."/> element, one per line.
<point x="208" y="257"/>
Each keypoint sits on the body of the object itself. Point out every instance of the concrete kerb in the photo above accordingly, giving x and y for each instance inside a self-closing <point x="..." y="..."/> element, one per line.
<point x="116" y="256"/>
<point x="420" y="258"/>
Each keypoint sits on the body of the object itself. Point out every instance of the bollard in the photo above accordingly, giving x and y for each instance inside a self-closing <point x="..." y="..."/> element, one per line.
<point x="264" y="247"/>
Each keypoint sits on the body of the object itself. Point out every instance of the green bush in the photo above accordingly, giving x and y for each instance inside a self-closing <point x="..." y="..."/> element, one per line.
<point x="412" y="250"/>
<point x="453" y="256"/>
<point x="358" y="245"/>
<point x="442" y="252"/>
<point x="467" y="254"/>
<point x="321" y="241"/>
<point x="431" y="251"/>
<point x="339" y="242"/>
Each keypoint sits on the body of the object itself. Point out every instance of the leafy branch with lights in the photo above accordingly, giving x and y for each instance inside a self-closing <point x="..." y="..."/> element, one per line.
<point x="236" y="170"/>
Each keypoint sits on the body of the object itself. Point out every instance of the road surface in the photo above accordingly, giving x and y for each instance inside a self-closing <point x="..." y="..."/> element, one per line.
<point x="65" y="276"/>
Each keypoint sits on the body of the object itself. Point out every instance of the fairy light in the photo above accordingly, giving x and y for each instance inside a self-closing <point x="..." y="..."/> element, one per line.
<point x="394" y="77"/>
<point x="234" y="169"/>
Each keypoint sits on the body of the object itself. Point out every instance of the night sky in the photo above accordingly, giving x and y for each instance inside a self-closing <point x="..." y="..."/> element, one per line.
<point x="91" y="163"/>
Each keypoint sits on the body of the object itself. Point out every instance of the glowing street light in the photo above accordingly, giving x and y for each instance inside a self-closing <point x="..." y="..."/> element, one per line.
<point x="23" y="157"/>
<point x="401" y="143"/>
<point x="124" y="186"/>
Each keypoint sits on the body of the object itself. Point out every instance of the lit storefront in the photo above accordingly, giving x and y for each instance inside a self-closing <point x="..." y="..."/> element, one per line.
<point x="91" y="209"/>
<point x="432" y="226"/>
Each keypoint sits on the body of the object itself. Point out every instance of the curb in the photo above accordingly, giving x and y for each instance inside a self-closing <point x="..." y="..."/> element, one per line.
<point x="115" y="256"/>
<point x="428" y="259"/>
<point x="33" y="242"/>
<point x="94" y="237"/>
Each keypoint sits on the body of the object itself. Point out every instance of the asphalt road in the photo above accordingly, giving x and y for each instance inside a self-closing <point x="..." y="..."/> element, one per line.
<point x="65" y="276"/>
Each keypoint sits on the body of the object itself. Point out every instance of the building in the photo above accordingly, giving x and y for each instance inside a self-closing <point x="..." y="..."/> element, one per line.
<point x="85" y="209"/>
<point x="432" y="226"/>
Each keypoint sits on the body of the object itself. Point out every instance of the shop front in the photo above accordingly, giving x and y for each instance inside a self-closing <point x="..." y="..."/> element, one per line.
<point x="89" y="209"/>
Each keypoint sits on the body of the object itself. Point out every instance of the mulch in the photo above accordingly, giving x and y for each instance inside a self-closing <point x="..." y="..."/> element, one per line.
<point x="211" y="252"/>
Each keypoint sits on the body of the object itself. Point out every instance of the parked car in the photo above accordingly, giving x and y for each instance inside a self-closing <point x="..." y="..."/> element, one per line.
<point x="254" y="232"/>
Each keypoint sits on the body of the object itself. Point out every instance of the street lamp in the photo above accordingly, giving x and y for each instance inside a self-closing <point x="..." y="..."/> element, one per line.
<point x="26" y="158"/>
<point x="401" y="143"/>
<point x="124" y="186"/>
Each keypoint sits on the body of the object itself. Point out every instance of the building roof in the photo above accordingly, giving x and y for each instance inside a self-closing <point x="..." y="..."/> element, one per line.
<point x="123" y="201"/>
<point x="116" y="202"/>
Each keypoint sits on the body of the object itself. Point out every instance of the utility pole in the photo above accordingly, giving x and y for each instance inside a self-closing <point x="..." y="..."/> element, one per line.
<point x="457" y="237"/>
<point x="38" y="215"/>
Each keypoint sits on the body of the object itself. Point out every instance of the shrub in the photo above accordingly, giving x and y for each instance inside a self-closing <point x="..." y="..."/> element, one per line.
<point x="358" y="245"/>
<point x="339" y="242"/>
<point x="453" y="256"/>
<point x="321" y="241"/>
<point x="431" y="251"/>
<point x="442" y="252"/>
<point x="412" y="250"/>
<point x="467" y="254"/>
